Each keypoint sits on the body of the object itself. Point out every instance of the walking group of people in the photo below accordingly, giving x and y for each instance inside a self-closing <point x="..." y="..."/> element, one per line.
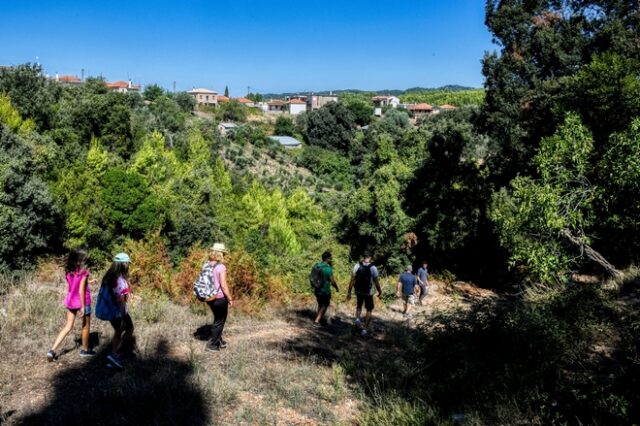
<point x="113" y="297"/>
<point x="365" y="280"/>
<point x="211" y="287"/>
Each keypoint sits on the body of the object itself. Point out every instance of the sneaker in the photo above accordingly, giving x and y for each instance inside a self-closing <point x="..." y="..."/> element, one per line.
<point x="223" y="344"/>
<point x="316" y="325"/>
<point x="115" y="360"/>
<point x="88" y="353"/>
<point x="358" y="322"/>
<point x="51" y="355"/>
<point x="211" y="348"/>
<point x="364" y="333"/>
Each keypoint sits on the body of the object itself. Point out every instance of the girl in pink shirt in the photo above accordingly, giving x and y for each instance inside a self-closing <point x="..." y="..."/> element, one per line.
<point x="77" y="302"/>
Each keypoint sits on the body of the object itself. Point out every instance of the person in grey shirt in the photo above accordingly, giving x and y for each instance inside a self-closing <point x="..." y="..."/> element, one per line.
<point x="423" y="277"/>
<point x="364" y="277"/>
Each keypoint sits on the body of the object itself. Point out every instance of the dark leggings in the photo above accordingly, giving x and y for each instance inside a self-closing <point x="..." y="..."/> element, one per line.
<point x="123" y="333"/>
<point x="219" y="307"/>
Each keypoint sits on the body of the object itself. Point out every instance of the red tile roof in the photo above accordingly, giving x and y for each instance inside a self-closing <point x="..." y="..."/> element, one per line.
<point x="297" y="101"/>
<point x="118" y="85"/>
<point x="244" y="100"/>
<point x="222" y="98"/>
<point x="69" y="79"/>
<point x="420" y="107"/>
<point x="276" y="102"/>
<point x="448" y="107"/>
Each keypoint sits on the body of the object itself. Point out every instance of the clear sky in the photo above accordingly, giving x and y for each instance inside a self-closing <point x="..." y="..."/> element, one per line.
<point x="269" y="45"/>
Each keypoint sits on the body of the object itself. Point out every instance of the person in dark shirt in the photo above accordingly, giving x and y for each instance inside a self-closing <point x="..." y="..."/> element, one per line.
<point x="323" y="294"/>
<point x="407" y="284"/>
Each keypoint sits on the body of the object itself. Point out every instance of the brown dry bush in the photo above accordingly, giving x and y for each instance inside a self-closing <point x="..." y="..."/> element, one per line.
<point x="188" y="271"/>
<point x="151" y="267"/>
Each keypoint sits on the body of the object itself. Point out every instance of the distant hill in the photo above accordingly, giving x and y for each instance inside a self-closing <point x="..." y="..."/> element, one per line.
<point x="391" y="92"/>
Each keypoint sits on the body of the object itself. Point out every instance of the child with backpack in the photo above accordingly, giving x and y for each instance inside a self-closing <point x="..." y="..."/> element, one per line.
<point x="112" y="306"/>
<point x="364" y="277"/>
<point x="77" y="302"/>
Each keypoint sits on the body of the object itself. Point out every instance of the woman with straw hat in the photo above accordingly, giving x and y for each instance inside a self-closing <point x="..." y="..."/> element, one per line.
<point x="221" y="300"/>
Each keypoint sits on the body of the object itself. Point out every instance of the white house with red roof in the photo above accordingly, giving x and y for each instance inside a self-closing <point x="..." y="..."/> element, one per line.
<point x="123" y="86"/>
<point x="296" y="106"/>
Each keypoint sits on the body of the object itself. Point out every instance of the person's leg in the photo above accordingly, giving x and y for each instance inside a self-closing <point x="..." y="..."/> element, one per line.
<point x="423" y="293"/>
<point x="359" y="302"/>
<point x="86" y="329"/>
<point x="220" y="308"/>
<point x="116" y="342"/>
<point x="409" y="303"/>
<point x="322" y="307"/>
<point x="404" y="304"/>
<point x="368" y="304"/>
<point x="71" y="316"/>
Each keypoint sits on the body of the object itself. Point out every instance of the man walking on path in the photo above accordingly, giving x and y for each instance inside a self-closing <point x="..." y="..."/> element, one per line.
<point x="423" y="276"/>
<point x="323" y="292"/>
<point x="408" y="285"/>
<point x="365" y="276"/>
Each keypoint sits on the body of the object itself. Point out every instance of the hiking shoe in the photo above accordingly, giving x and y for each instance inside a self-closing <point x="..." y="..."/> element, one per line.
<point x="115" y="360"/>
<point x="316" y="325"/>
<point x="88" y="353"/>
<point x="212" y="348"/>
<point x="51" y="355"/>
<point x="223" y="344"/>
<point x="364" y="333"/>
<point x="358" y="322"/>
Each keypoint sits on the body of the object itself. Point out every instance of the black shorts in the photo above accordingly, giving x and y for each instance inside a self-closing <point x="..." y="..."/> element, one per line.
<point x="367" y="299"/>
<point x="323" y="300"/>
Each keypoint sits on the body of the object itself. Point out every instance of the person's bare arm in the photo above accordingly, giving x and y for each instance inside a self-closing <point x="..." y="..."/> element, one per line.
<point x="225" y="287"/>
<point x="334" y="283"/>
<point x="377" y="281"/>
<point x="81" y="290"/>
<point x="351" y="283"/>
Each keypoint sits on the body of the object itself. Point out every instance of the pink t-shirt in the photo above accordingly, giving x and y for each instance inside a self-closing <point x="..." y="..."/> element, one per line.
<point x="217" y="272"/>
<point x="72" y="301"/>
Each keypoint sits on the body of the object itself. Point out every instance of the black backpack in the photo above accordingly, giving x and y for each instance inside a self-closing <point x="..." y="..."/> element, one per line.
<point x="363" y="279"/>
<point x="315" y="277"/>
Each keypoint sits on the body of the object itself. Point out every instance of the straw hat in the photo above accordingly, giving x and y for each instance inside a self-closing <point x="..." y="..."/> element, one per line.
<point x="219" y="247"/>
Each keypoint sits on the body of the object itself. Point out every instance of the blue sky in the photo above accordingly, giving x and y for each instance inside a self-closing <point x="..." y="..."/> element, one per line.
<point x="271" y="46"/>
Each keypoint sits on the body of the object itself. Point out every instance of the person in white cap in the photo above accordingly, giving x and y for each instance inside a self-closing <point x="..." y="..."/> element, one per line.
<point x="221" y="300"/>
<point x="117" y="279"/>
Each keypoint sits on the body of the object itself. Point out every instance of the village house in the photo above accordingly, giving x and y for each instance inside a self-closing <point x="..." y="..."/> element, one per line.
<point x="276" y="105"/>
<point x="447" y="107"/>
<point x="287" y="141"/>
<point x="123" y="87"/>
<point x="419" y="110"/>
<point x="296" y="106"/>
<point x="70" y="80"/>
<point x="245" y="102"/>
<point x="204" y="96"/>
<point x="222" y="98"/>
<point x="381" y="102"/>
<point x="315" y="102"/>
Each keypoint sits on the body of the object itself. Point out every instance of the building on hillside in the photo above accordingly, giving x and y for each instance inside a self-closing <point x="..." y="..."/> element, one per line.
<point x="70" y="80"/>
<point x="204" y="96"/>
<point x="381" y="102"/>
<point x="276" y="105"/>
<point x="447" y="107"/>
<point x="419" y="110"/>
<point x="245" y="102"/>
<point x="225" y="127"/>
<point x="222" y="98"/>
<point x="315" y="102"/>
<point x="123" y="86"/>
<point x="287" y="141"/>
<point x="296" y="106"/>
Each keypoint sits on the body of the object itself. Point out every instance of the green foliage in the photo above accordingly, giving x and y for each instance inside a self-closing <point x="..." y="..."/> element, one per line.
<point x="284" y="126"/>
<point x="328" y="164"/>
<point x="185" y="101"/>
<point x="360" y="106"/>
<point x="152" y="92"/>
<point x="533" y="216"/>
<point x="332" y="126"/>
<point x="232" y="111"/>
<point x="441" y="97"/>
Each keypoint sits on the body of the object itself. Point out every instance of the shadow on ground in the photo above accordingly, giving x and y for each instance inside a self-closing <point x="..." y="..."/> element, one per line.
<point x="152" y="390"/>
<point x="498" y="362"/>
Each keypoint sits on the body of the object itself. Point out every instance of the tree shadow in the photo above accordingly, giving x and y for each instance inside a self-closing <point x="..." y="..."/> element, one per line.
<point x="154" y="389"/>
<point x="503" y="361"/>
